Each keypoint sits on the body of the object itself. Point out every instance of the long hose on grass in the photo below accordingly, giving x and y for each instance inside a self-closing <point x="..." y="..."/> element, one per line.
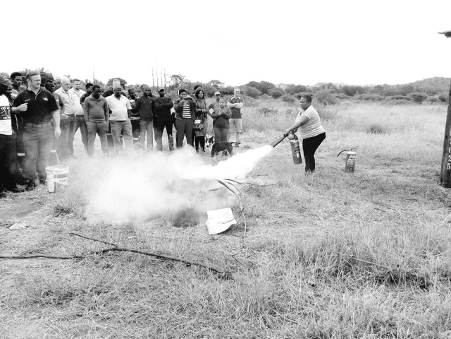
<point x="212" y="268"/>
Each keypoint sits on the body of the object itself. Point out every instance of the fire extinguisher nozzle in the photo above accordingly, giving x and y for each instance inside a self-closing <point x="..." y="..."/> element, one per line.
<point x="278" y="141"/>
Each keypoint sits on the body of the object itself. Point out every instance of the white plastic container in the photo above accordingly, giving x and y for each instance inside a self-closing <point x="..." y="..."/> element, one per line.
<point x="56" y="177"/>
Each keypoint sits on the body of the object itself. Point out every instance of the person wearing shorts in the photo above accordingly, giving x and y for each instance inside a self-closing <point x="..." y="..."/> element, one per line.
<point x="235" y="103"/>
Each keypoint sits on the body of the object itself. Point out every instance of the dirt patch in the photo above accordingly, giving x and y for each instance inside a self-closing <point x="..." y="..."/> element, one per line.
<point x="13" y="210"/>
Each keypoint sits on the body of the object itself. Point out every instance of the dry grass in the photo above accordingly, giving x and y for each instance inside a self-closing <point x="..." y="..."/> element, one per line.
<point x="326" y="256"/>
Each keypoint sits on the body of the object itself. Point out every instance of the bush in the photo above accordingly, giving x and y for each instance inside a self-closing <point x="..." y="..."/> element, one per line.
<point x="376" y="128"/>
<point x="275" y="93"/>
<point x="432" y="99"/>
<point x="292" y="89"/>
<point x="398" y="97"/>
<point x="267" y="111"/>
<point x="289" y="99"/>
<point x="418" y="97"/>
<point x="342" y="96"/>
<point x="250" y="91"/>
<point x="373" y="97"/>
<point x="399" y="102"/>
<point x="325" y="97"/>
<point x="444" y="97"/>
<point x="264" y="97"/>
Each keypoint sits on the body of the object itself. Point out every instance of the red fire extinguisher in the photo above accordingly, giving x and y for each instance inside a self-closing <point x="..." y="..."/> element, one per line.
<point x="295" y="149"/>
<point x="350" y="160"/>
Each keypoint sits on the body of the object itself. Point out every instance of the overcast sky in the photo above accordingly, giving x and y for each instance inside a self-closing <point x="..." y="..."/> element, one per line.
<point x="302" y="42"/>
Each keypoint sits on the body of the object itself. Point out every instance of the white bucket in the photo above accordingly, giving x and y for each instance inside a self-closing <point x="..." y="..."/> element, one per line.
<point x="56" y="177"/>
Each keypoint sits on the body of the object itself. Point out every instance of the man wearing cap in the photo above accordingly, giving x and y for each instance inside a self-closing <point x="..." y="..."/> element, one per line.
<point x="144" y="106"/>
<point x="185" y="113"/>
<point x="163" y="119"/>
<point x="120" y="118"/>
<point x="215" y="103"/>
<point x="235" y="103"/>
<point x="67" y="124"/>
<point x="8" y="164"/>
<point x="37" y="106"/>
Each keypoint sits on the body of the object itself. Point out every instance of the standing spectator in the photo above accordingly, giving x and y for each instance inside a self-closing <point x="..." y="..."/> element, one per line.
<point x="221" y="126"/>
<point x="17" y="123"/>
<point x="89" y="90"/>
<point x="8" y="164"/>
<point x="215" y="104"/>
<point x="200" y="123"/>
<point x="37" y="107"/>
<point x="313" y="134"/>
<point x="235" y="104"/>
<point x="48" y="82"/>
<point x="16" y="78"/>
<point x="185" y="113"/>
<point x="67" y="122"/>
<point x="145" y="109"/>
<point x="134" y="117"/>
<point x="196" y="87"/>
<point x="96" y="116"/>
<point x="79" y="123"/>
<point x="120" y="119"/>
<point x="77" y="88"/>
<point x="163" y="118"/>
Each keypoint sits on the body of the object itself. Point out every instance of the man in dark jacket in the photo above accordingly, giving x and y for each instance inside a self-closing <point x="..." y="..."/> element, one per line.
<point x="163" y="118"/>
<point x="144" y="106"/>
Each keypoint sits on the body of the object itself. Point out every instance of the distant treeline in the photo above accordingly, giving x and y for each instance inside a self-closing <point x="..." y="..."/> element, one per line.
<point x="428" y="90"/>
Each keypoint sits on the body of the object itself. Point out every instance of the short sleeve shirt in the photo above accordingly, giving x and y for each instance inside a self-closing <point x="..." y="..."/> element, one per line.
<point x="313" y="127"/>
<point x="119" y="107"/>
<point x="236" y="112"/>
<point x="5" y="116"/>
<point x="40" y="106"/>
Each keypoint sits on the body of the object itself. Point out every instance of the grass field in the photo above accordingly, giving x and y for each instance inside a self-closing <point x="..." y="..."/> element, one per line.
<point x="333" y="255"/>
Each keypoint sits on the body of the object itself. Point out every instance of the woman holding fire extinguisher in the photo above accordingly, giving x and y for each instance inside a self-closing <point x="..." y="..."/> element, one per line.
<point x="312" y="132"/>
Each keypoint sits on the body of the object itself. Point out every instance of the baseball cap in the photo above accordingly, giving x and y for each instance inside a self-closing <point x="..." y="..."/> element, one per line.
<point x="4" y="79"/>
<point x="161" y="89"/>
<point x="217" y="93"/>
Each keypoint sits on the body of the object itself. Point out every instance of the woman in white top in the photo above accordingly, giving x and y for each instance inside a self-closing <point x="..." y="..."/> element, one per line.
<point x="312" y="132"/>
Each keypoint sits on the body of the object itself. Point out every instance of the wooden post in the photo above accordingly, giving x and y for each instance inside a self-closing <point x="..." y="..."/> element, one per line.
<point x="445" y="175"/>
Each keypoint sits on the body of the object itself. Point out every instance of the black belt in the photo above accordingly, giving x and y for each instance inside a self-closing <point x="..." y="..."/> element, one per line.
<point x="30" y="124"/>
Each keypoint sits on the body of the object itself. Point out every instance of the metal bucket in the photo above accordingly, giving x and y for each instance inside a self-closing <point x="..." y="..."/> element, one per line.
<point x="56" y="177"/>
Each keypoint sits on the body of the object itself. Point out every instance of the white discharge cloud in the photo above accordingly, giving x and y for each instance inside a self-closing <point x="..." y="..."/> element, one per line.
<point x="139" y="187"/>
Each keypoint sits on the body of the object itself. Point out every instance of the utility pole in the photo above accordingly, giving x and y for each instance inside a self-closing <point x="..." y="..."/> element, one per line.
<point x="165" y="79"/>
<point x="445" y="173"/>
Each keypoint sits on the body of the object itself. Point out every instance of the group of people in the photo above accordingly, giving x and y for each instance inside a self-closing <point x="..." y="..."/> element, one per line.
<point x="43" y="117"/>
